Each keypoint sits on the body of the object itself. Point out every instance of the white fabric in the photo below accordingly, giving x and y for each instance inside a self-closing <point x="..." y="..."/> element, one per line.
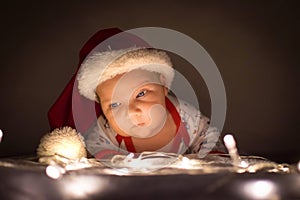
<point x="101" y="66"/>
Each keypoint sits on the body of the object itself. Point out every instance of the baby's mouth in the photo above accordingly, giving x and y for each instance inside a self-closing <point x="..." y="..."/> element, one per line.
<point x="141" y="124"/>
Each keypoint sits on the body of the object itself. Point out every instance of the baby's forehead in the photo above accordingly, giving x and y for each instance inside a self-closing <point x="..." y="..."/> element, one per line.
<point x="132" y="81"/>
<point x="127" y="83"/>
<point x="140" y="76"/>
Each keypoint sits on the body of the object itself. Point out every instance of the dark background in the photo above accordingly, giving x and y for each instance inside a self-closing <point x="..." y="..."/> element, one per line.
<point x="255" y="45"/>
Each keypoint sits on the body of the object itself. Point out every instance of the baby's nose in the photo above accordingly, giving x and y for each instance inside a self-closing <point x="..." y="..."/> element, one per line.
<point x="134" y="109"/>
<point x="135" y="113"/>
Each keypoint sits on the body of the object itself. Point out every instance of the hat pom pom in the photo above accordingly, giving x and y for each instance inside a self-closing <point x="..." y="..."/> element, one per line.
<point x="64" y="142"/>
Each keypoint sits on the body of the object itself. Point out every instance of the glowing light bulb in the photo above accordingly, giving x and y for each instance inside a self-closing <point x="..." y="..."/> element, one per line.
<point x="185" y="163"/>
<point x="229" y="141"/>
<point x="298" y="166"/>
<point x="1" y="135"/>
<point x="84" y="187"/>
<point x="260" y="189"/>
<point x="232" y="150"/>
<point x="244" y="164"/>
<point x="54" y="171"/>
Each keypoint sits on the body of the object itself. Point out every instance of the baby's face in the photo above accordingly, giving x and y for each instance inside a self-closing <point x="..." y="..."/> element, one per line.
<point x="134" y="103"/>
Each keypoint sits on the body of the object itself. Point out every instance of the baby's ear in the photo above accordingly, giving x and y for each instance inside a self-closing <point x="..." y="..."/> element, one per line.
<point x="163" y="83"/>
<point x="162" y="80"/>
<point x="166" y="90"/>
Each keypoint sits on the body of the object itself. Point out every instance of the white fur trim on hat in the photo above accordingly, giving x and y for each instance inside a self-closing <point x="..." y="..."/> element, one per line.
<point x="102" y="66"/>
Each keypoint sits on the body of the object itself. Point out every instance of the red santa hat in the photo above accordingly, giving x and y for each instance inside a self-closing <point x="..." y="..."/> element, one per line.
<point x="102" y="66"/>
<point x="106" y="54"/>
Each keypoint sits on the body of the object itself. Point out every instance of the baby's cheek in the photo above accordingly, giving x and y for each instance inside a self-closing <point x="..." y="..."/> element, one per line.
<point x="111" y="117"/>
<point x="157" y="113"/>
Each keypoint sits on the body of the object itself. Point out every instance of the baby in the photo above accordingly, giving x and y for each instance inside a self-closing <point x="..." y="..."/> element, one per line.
<point x="138" y="114"/>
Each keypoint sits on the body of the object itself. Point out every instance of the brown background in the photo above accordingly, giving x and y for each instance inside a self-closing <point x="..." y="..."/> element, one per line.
<point x="255" y="45"/>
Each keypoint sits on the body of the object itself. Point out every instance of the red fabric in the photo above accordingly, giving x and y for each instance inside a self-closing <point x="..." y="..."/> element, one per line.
<point x="128" y="142"/>
<point x="181" y="132"/>
<point x="175" y="115"/>
<point x="70" y="105"/>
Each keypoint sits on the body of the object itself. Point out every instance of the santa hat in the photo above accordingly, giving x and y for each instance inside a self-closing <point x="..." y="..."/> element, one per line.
<point x="102" y="66"/>
<point x="102" y="58"/>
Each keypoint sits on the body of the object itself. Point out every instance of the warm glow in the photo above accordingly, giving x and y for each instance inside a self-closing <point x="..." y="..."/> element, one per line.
<point x="232" y="150"/>
<point x="184" y="163"/>
<point x="83" y="187"/>
<point x="298" y="166"/>
<point x="54" y="171"/>
<point x="145" y="162"/>
<point x="78" y="164"/>
<point x="251" y="169"/>
<point x="261" y="189"/>
<point x="244" y="164"/>
<point x="1" y="135"/>
<point x="229" y="141"/>
<point x="117" y="172"/>
<point x="68" y="150"/>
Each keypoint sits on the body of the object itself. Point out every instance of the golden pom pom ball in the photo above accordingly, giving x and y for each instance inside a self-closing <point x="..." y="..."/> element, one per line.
<point x="64" y="142"/>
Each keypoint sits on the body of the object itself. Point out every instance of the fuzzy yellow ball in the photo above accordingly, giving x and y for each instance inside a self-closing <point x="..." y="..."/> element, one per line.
<point x="65" y="142"/>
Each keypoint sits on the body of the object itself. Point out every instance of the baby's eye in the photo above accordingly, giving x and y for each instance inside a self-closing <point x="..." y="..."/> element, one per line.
<point x="142" y="93"/>
<point x="114" y="105"/>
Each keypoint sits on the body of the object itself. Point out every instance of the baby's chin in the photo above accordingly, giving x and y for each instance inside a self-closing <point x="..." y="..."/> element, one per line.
<point x="143" y="132"/>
